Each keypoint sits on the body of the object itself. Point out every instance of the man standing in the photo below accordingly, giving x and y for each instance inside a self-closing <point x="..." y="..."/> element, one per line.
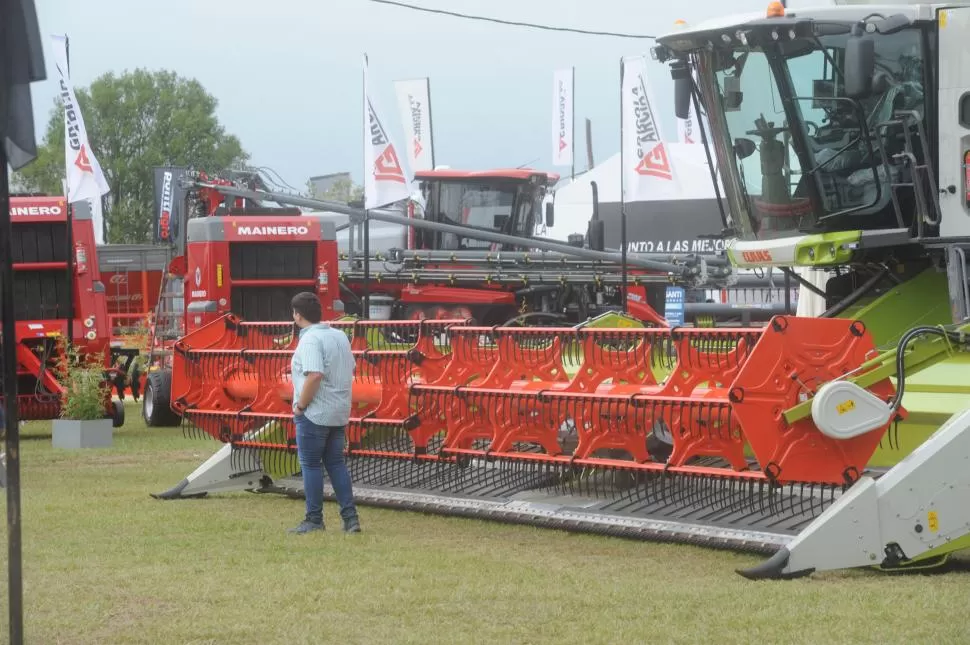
<point x="323" y="375"/>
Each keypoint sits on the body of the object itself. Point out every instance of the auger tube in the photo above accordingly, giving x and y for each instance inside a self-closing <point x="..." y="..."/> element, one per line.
<point x="915" y="511"/>
<point x="383" y="215"/>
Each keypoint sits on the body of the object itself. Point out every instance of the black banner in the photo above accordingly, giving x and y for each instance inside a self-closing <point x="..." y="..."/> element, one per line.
<point x="169" y="222"/>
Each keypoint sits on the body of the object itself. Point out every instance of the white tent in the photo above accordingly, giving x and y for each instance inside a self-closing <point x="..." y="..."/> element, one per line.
<point x="686" y="210"/>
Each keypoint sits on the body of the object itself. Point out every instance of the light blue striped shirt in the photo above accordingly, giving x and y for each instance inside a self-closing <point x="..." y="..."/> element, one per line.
<point x="327" y="350"/>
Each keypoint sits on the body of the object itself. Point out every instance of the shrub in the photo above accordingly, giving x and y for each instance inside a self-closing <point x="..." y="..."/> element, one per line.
<point x="85" y="389"/>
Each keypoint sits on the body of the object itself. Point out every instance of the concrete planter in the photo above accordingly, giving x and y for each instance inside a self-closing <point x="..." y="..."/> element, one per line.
<point x="73" y="435"/>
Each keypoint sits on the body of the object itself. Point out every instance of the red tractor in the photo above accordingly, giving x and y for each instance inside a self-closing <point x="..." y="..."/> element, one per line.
<point x="59" y="298"/>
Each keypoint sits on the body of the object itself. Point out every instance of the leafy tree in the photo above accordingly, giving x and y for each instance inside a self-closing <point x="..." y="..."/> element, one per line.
<point x="136" y="121"/>
<point x="343" y="190"/>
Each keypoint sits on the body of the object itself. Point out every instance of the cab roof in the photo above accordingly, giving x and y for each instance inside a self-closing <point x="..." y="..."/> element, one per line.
<point x="687" y="37"/>
<point x="521" y="174"/>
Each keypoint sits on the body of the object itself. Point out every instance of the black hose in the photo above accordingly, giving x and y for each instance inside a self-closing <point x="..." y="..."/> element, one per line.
<point x="955" y="337"/>
<point x="856" y="295"/>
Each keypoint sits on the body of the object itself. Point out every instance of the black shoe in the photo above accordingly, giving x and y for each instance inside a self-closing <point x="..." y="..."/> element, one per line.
<point x="352" y="525"/>
<point x="305" y="527"/>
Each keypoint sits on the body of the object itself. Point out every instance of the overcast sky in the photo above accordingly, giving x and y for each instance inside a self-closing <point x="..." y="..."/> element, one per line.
<point x="287" y="73"/>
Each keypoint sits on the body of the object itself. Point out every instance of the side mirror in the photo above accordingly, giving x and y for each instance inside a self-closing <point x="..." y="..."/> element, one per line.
<point x="859" y="66"/>
<point x="550" y="214"/>
<point x="743" y="148"/>
<point x="680" y="72"/>
<point x="682" y="98"/>
<point x="596" y="234"/>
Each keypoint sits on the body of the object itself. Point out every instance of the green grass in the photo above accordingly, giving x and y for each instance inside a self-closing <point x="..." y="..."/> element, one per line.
<point x="105" y="563"/>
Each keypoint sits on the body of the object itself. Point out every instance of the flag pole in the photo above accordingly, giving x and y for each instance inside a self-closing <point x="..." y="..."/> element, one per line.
<point x="622" y="198"/>
<point x="365" y="229"/>
<point x="69" y="233"/>
<point x="15" y="577"/>
<point x="572" y="113"/>
<point x="430" y="122"/>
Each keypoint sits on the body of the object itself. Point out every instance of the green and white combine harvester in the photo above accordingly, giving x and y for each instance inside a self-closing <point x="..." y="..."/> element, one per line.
<point x="841" y="136"/>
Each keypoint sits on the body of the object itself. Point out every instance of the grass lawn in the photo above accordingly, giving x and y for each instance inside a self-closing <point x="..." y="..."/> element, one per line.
<point x="105" y="563"/>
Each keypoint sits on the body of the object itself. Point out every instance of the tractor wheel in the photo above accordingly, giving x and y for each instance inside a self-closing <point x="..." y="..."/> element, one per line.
<point x="117" y="414"/>
<point x="156" y="408"/>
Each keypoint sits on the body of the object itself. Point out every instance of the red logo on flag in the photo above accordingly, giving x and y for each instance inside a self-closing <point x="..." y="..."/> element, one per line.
<point x="82" y="160"/>
<point x="417" y="147"/>
<point x="562" y="144"/>
<point x="655" y="163"/>
<point x="387" y="167"/>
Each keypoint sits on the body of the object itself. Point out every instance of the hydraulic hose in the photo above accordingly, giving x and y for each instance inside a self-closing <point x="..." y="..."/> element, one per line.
<point x="952" y="336"/>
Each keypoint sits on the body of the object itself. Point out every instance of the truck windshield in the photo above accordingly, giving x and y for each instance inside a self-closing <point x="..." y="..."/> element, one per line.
<point x="797" y="161"/>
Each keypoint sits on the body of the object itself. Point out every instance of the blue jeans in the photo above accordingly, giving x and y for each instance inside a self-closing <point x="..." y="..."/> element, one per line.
<point x="316" y="445"/>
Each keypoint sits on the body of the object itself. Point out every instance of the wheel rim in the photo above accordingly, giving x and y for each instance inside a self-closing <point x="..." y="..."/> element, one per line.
<point x="149" y="401"/>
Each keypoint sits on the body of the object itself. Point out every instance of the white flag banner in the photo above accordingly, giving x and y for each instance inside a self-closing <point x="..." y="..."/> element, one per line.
<point x="384" y="179"/>
<point x="85" y="180"/>
<point x="414" y="104"/>
<point x="647" y="171"/>
<point x="562" y="117"/>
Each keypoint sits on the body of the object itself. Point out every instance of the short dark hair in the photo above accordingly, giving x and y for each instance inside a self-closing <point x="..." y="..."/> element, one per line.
<point x="307" y="305"/>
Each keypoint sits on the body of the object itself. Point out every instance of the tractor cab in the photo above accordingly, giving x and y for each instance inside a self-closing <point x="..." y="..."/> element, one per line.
<point x="818" y="118"/>
<point x="500" y="201"/>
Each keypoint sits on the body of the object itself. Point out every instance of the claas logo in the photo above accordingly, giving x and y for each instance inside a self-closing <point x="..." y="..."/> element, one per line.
<point x="756" y="256"/>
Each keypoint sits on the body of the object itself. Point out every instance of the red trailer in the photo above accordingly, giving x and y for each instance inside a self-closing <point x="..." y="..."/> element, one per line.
<point x="132" y="276"/>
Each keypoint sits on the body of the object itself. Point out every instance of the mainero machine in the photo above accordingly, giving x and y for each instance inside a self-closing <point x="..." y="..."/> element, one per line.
<point x="59" y="300"/>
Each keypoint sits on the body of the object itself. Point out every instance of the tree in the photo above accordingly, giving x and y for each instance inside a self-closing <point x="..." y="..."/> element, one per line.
<point x="136" y="121"/>
<point x="343" y="190"/>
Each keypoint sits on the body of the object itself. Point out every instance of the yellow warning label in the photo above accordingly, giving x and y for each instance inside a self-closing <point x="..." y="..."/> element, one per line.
<point x="934" y="521"/>
<point x="845" y="406"/>
<point x="943" y="18"/>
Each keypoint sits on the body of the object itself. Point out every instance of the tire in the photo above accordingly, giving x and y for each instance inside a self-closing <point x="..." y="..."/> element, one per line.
<point x="117" y="414"/>
<point x="156" y="403"/>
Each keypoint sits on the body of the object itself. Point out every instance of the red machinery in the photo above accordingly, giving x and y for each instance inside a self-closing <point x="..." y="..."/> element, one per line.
<point x="643" y="430"/>
<point x="470" y="254"/>
<point x="672" y="433"/>
<point x="52" y="287"/>
<point x="249" y="261"/>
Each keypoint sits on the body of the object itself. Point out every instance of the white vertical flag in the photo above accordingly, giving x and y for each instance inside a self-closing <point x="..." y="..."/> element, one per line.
<point x="85" y="179"/>
<point x="384" y="180"/>
<point x="414" y="105"/>
<point x="647" y="170"/>
<point x="562" y="117"/>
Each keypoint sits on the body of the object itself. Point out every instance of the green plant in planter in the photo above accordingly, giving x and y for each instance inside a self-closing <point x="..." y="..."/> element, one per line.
<point x="85" y="389"/>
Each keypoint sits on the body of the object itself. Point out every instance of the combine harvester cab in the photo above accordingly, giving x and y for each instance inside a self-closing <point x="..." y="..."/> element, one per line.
<point x="53" y="285"/>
